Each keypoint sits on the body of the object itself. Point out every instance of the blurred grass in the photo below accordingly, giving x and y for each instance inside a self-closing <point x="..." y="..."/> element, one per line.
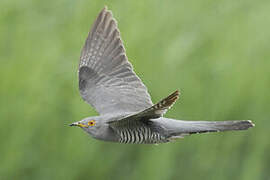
<point x="215" y="52"/>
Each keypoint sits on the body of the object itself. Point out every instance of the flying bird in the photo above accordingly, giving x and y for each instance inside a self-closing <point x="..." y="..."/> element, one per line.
<point x="127" y="115"/>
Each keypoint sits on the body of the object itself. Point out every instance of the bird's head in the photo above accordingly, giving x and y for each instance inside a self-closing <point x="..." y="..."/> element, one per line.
<point x="90" y="124"/>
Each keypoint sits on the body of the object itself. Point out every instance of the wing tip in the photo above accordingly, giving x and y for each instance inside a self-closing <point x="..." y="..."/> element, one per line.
<point x="177" y="93"/>
<point x="174" y="96"/>
<point x="251" y="124"/>
<point x="105" y="10"/>
<point x="170" y="100"/>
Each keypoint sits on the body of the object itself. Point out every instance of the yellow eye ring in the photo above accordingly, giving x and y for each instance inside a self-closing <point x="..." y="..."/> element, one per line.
<point x="91" y="123"/>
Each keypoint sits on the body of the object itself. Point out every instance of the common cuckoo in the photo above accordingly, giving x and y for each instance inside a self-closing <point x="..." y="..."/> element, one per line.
<point x="127" y="115"/>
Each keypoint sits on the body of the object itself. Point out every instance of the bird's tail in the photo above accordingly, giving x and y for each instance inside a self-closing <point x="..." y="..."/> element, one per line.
<point x="180" y="128"/>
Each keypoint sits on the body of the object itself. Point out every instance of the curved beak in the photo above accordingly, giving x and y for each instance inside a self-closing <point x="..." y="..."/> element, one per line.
<point x="78" y="124"/>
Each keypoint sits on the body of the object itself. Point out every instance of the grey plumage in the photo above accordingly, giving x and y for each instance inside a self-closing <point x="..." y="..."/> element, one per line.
<point x="127" y="115"/>
<point x="105" y="75"/>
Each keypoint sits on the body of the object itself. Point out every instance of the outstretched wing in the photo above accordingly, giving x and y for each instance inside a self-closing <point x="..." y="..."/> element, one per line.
<point x="156" y="111"/>
<point x="106" y="78"/>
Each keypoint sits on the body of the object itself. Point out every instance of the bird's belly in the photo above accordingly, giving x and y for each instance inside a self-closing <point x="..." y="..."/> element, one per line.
<point x="140" y="135"/>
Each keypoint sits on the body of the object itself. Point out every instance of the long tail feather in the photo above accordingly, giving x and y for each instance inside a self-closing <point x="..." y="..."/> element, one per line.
<point x="180" y="128"/>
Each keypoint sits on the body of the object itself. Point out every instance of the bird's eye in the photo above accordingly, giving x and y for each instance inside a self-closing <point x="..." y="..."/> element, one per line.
<point x="92" y="123"/>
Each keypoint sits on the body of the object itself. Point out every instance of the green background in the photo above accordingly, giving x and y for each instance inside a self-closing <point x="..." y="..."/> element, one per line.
<point x="215" y="52"/>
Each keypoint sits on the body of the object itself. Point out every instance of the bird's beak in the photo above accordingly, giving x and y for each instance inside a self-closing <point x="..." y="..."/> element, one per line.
<point x="78" y="124"/>
<point x="74" y="124"/>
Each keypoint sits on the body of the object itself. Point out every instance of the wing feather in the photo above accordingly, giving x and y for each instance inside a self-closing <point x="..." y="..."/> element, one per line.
<point x="155" y="111"/>
<point x="106" y="78"/>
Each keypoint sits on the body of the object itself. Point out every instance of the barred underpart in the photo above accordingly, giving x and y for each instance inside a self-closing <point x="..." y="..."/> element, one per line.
<point x="140" y="135"/>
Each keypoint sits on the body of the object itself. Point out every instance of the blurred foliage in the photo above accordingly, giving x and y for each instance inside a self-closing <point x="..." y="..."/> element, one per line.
<point x="215" y="52"/>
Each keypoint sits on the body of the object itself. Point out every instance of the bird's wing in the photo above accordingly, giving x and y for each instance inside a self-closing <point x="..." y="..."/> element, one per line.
<point x="156" y="111"/>
<point x="106" y="78"/>
<point x="160" y="108"/>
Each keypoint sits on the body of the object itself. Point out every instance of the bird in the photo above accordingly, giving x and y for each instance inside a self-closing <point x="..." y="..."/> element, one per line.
<point x="127" y="114"/>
